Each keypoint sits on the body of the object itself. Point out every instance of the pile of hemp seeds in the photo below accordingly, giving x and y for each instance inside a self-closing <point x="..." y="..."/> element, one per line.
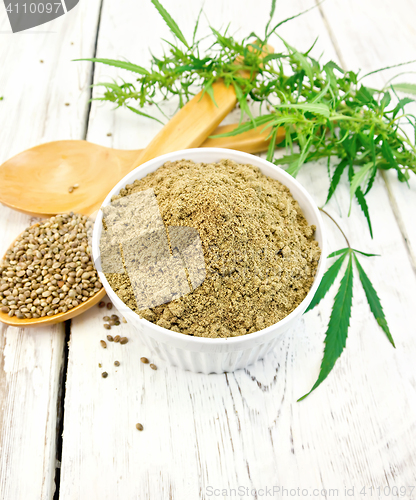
<point x="260" y="253"/>
<point x="49" y="270"/>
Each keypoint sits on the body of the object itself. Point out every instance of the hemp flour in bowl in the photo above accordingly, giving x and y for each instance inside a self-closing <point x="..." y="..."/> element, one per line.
<point x="261" y="243"/>
<point x="259" y="251"/>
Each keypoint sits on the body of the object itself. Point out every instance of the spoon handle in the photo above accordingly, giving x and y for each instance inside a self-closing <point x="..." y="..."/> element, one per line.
<point x="195" y="121"/>
<point x="191" y="125"/>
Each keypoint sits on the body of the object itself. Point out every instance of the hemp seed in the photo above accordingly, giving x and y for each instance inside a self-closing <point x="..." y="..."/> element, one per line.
<point x="38" y="275"/>
<point x="103" y="344"/>
<point x="139" y="427"/>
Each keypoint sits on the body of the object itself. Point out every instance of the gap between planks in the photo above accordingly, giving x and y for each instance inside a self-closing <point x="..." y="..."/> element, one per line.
<point x="87" y="118"/>
<point x="64" y="372"/>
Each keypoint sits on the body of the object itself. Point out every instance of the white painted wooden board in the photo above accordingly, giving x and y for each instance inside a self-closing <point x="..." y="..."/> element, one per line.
<point x="245" y="429"/>
<point x="31" y="361"/>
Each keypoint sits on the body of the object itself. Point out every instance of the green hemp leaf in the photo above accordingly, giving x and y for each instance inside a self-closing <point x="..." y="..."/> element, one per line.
<point x="337" y="331"/>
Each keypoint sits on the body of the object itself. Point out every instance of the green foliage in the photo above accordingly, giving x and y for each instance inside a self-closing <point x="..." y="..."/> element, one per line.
<point x="373" y="301"/>
<point x="328" y="279"/>
<point x="170" y="22"/>
<point x="143" y="114"/>
<point x="327" y="111"/>
<point x="408" y="88"/>
<point x="337" y="331"/>
<point x="336" y="178"/>
<point x="118" y="64"/>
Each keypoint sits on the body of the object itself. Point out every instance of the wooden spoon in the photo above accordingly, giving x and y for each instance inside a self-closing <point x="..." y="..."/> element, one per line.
<point x="57" y="318"/>
<point x="55" y="166"/>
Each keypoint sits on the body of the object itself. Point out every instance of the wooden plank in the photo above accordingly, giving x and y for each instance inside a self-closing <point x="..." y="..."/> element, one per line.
<point x="383" y="36"/>
<point x="31" y="361"/>
<point x="243" y="429"/>
<point x="31" y="366"/>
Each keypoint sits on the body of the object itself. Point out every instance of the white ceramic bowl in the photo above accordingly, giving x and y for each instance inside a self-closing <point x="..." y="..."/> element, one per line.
<point x="203" y="354"/>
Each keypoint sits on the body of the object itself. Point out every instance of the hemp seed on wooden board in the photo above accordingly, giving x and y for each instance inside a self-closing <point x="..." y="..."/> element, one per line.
<point x="260" y="253"/>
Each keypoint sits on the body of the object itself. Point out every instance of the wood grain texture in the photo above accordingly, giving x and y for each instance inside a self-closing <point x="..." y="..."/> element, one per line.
<point x="246" y="429"/>
<point x="34" y="111"/>
<point x="30" y="380"/>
